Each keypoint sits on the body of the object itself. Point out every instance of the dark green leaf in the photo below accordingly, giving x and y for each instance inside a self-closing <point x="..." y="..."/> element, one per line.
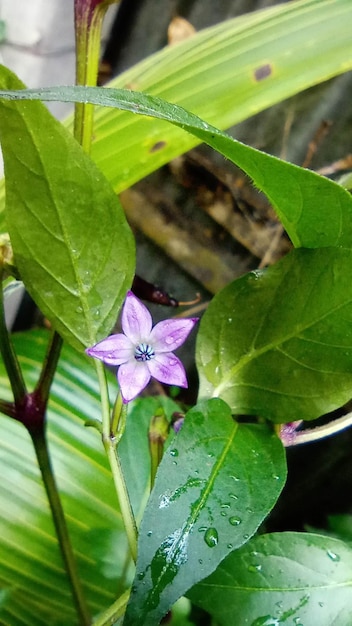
<point x="278" y="342"/>
<point x="282" y="578"/>
<point x="315" y="211"/>
<point x="134" y="447"/>
<point x="217" y="482"/>
<point x="72" y="244"/>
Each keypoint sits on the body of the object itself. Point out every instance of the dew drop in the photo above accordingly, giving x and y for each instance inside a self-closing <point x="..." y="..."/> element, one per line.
<point x="200" y="561"/>
<point x="223" y="513"/>
<point x="149" y="533"/>
<point x="233" y="496"/>
<point x="141" y="575"/>
<point x="225" y="505"/>
<point x="254" y="568"/>
<point x="211" y="537"/>
<point x="234" y="520"/>
<point x="333" y="556"/>
<point x="79" y="309"/>
<point x="174" y="452"/>
<point x="230" y="546"/>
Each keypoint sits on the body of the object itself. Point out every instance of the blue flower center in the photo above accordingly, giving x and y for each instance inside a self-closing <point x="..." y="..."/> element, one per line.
<point x="144" y="352"/>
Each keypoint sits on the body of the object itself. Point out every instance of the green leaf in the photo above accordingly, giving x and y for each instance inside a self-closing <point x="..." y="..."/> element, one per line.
<point x="31" y="570"/>
<point x="278" y="342"/>
<point x="214" y="75"/>
<point x="72" y="244"/>
<point x="136" y="439"/>
<point x="293" y="191"/>
<point x="215" y="485"/>
<point x="281" y="578"/>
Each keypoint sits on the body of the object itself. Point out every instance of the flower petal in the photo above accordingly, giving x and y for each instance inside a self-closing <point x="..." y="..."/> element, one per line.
<point x="133" y="377"/>
<point x="170" y="334"/>
<point x="113" y="350"/>
<point x="167" y="368"/>
<point x="136" y="320"/>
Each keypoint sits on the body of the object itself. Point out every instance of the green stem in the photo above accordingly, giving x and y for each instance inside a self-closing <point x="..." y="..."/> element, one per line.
<point x="123" y="497"/>
<point x="41" y="450"/>
<point x="9" y="357"/>
<point x="89" y="16"/>
<point x="114" y="612"/>
<point x="110" y="446"/>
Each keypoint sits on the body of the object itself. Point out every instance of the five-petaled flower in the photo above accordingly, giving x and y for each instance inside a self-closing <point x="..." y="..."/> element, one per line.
<point x="143" y="351"/>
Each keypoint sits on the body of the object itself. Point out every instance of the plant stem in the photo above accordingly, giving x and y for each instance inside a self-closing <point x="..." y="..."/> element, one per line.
<point x="123" y="497"/>
<point x="110" y="446"/>
<point x="89" y="15"/>
<point x="49" y="367"/>
<point x="310" y="435"/>
<point x="9" y="357"/>
<point x="112" y="614"/>
<point x="41" y="450"/>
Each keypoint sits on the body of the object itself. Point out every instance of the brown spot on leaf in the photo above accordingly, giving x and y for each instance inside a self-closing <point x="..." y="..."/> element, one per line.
<point x="179" y="30"/>
<point x="263" y="71"/>
<point x="159" y="145"/>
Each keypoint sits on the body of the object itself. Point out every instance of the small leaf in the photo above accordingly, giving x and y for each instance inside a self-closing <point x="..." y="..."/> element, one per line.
<point x="278" y="343"/>
<point x="281" y="578"/>
<point x="215" y="485"/>
<point x="72" y="244"/>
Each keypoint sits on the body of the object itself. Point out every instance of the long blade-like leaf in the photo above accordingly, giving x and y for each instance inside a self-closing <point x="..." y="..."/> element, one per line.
<point x="31" y="569"/>
<point x="224" y="74"/>
<point x="292" y="190"/>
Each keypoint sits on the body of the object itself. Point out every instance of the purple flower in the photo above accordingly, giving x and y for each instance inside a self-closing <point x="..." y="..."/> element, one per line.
<point x="142" y="351"/>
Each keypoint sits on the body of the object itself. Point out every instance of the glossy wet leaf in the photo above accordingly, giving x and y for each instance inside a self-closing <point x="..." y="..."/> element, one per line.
<point x="31" y="570"/>
<point x="278" y="343"/>
<point x="281" y="578"/>
<point x="72" y="244"/>
<point x="293" y="191"/>
<point x="216" y="483"/>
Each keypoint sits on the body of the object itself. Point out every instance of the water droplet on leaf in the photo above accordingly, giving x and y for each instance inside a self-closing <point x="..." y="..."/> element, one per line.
<point x="334" y="557"/>
<point x="234" y="520"/>
<point x="211" y="537"/>
<point x="254" y="568"/>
